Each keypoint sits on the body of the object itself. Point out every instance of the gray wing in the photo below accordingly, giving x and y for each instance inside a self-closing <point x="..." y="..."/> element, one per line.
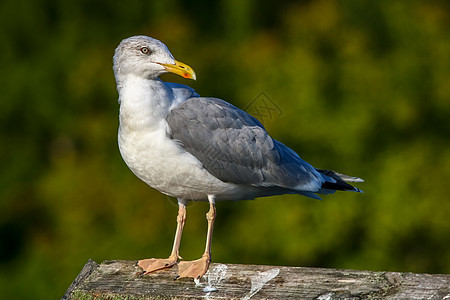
<point x="234" y="147"/>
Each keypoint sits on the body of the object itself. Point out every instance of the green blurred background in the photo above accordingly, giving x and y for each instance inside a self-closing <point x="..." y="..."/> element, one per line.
<point x="361" y="87"/>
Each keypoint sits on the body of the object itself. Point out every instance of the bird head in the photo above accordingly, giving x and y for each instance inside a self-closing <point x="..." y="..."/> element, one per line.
<point x="148" y="58"/>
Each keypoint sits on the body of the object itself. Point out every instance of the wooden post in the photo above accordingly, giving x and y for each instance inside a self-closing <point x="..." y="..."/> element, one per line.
<point x="122" y="280"/>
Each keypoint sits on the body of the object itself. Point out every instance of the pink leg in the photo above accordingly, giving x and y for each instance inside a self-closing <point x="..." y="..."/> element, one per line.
<point x="197" y="268"/>
<point x="154" y="264"/>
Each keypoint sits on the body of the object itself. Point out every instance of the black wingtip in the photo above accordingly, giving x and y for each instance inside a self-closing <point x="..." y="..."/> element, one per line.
<point x="340" y="183"/>
<point x="338" y="186"/>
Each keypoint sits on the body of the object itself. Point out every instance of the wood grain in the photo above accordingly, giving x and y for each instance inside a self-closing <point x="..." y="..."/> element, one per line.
<point x="122" y="280"/>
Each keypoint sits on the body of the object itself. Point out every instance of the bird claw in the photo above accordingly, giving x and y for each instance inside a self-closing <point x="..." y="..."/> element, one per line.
<point x="151" y="265"/>
<point x="195" y="268"/>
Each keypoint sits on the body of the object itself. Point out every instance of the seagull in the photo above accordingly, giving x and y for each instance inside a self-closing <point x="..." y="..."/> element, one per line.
<point x="198" y="148"/>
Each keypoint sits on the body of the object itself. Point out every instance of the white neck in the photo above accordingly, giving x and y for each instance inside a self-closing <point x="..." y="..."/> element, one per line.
<point x="144" y="103"/>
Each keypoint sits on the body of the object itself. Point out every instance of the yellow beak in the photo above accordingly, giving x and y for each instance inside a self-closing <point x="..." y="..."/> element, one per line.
<point x="180" y="69"/>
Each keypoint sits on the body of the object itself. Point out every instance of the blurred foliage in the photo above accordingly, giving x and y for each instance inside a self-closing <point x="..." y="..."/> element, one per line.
<point x="363" y="87"/>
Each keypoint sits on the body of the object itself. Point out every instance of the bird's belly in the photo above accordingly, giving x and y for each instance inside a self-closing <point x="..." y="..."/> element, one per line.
<point x="166" y="166"/>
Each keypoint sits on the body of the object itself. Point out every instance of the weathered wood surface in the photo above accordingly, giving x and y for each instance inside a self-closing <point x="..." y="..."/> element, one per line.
<point x="122" y="280"/>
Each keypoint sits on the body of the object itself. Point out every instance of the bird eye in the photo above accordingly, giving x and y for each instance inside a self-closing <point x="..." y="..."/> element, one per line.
<point x="145" y="50"/>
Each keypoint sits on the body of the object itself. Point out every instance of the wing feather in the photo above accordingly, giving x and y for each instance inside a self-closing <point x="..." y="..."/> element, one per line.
<point x="235" y="147"/>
